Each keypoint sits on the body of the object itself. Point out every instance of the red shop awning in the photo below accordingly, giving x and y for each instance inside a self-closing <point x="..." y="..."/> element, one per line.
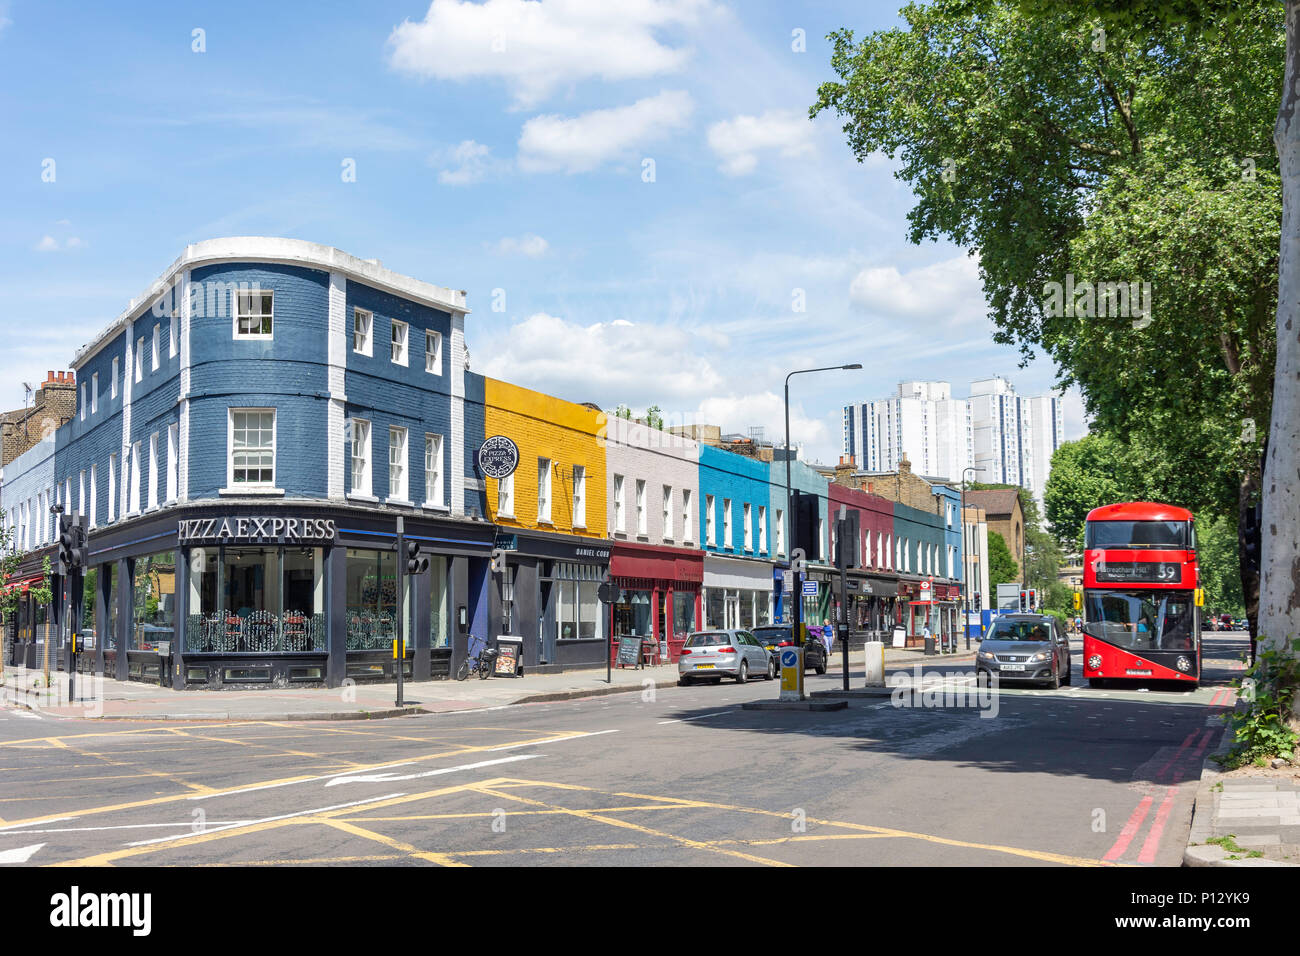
<point x="23" y="585"/>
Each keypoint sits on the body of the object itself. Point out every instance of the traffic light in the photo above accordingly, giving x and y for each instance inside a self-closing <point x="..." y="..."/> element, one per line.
<point x="1024" y="601"/>
<point x="73" y="552"/>
<point x="1078" y="601"/>
<point x="67" y="543"/>
<point x="979" y="602"/>
<point x="415" y="562"/>
<point x="1033" y="599"/>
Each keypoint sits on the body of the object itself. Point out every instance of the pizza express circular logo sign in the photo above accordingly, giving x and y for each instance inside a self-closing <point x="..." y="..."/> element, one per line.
<point x="498" y="457"/>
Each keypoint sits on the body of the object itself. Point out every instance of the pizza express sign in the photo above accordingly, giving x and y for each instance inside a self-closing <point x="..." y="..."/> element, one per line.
<point x="256" y="530"/>
<point x="498" y="457"/>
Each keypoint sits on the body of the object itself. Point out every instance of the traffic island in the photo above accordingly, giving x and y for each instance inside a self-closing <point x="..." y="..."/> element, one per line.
<point x="856" y="692"/>
<point x="806" y="705"/>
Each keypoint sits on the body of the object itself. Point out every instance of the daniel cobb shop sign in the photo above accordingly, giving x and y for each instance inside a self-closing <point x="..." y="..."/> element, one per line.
<point x="256" y="529"/>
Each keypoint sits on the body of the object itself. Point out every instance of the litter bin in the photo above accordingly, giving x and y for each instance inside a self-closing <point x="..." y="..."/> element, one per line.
<point x="510" y="657"/>
<point x="929" y="647"/>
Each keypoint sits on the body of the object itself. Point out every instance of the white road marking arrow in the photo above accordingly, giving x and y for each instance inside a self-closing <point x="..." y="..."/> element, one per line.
<point x="20" y="855"/>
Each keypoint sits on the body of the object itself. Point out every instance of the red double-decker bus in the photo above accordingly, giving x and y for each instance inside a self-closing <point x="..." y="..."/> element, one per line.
<point x="1141" y="597"/>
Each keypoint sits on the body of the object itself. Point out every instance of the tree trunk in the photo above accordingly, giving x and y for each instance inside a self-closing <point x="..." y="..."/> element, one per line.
<point x="1279" y="606"/>
<point x="1247" y="488"/>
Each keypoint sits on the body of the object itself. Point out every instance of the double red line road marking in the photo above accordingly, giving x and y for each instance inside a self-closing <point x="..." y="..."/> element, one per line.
<point x="1184" y="755"/>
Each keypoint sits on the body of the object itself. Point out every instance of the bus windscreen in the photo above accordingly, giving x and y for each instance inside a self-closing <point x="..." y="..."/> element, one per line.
<point x="1142" y="620"/>
<point x="1170" y="535"/>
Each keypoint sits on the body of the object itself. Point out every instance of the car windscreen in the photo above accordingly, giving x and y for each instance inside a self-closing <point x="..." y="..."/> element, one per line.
<point x="708" y="640"/>
<point x="1019" y="631"/>
<point x="772" y="635"/>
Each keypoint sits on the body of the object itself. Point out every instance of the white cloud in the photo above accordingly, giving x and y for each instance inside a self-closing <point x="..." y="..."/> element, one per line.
<point x="531" y="246"/>
<point x="468" y="162"/>
<point x="948" y="290"/>
<point x="537" y="47"/>
<point x="576" y="144"/>
<point x="604" y="362"/>
<point x="50" y="244"/>
<point x="695" y="377"/>
<point x="738" y="141"/>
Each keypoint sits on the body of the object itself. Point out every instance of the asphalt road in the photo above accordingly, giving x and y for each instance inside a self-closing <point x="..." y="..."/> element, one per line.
<point x="671" y="776"/>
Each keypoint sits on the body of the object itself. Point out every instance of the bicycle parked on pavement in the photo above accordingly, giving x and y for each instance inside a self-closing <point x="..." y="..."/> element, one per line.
<point x="483" y="664"/>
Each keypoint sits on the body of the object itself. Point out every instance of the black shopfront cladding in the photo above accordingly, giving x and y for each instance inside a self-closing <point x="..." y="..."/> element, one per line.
<point x="248" y="594"/>
<point x="547" y="596"/>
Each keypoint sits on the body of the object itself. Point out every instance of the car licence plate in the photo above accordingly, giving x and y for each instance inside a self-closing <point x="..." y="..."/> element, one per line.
<point x="1012" y="667"/>
<point x="700" y="667"/>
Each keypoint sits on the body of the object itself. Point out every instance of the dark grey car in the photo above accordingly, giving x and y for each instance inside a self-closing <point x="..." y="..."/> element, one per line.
<point x="1026" y="647"/>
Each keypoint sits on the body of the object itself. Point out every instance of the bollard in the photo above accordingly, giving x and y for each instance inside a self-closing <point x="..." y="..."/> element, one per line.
<point x="875" y="663"/>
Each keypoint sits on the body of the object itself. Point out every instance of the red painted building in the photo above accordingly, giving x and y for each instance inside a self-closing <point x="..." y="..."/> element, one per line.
<point x="659" y="593"/>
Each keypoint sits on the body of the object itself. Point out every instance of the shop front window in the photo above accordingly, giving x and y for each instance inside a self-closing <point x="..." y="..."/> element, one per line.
<point x="632" y="614"/>
<point x="577" y="604"/>
<point x="371" y="599"/>
<point x="110" y="639"/>
<point x="683" y="613"/>
<point x="715" y="608"/>
<point x="439" y="633"/>
<point x="154" y="598"/>
<point x="746" y="610"/>
<point x="255" y="600"/>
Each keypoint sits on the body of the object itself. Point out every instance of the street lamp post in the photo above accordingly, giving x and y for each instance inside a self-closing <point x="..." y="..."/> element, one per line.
<point x="796" y="593"/>
<point x="965" y="569"/>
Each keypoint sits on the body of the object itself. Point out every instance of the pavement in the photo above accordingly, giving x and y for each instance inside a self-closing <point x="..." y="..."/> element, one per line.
<point x="1244" y="820"/>
<point x="105" y="699"/>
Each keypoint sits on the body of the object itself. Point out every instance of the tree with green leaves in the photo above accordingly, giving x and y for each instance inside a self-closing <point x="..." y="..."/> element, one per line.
<point x="1002" y="566"/>
<point x="1096" y="470"/>
<point x="1119" y="187"/>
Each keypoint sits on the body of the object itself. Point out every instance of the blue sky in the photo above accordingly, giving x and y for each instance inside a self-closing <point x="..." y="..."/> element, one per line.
<point x="500" y="147"/>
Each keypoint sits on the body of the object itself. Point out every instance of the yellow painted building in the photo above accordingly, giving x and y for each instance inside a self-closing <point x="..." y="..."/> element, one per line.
<point x="561" y="462"/>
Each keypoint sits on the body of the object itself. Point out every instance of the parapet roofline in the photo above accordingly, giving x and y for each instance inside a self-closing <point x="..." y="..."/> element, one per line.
<point x="289" y="252"/>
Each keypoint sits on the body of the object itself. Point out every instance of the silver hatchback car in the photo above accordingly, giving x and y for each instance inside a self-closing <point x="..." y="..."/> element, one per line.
<point x="1027" y="647"/>
<point x="713" y="655"/>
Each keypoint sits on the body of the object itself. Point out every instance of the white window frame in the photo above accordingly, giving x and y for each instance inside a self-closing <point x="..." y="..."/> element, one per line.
<point x="762" y="529"/>
<point x="580" y="496"/>
<point x="748" y="510"/>
<point x="139" y="359"/>
<point x="367" y="333"/>
<point x="668" y="513"/>
<point x="506" y="496"/>
<point x="687" y="533"/>
<point x="641" y="517"/>
<point x="237" y="315"/>
<point x="619" y="511"/>
<point x="81" y="492"/>
<point x="433" y="494"/>
<point x="726" y="523"/>
<point x="545" y="469"/>
<point x="249" y="486"/>
<point x="117" y="369"/>
<point x="433" y="355"/>
<point x="710" y="522"/>
<point x="780" y="531"/>
<point x="152" y="499"/>
<point x="399" y="349"/>
<point x="171" y="336"/>
<point x="173" y="461"/>
<point x="94" y="393"/>
<point x="362" y="485"/>
<point x="94" y="494"/>
<point x="112" y="488"/>
<point x="82" y="409"/>
<point x="156" y="354"/>
<point x="399" y="459"/>
<point x="133" y="487"/>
